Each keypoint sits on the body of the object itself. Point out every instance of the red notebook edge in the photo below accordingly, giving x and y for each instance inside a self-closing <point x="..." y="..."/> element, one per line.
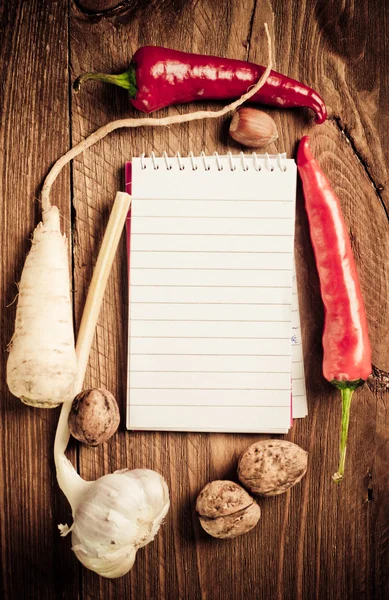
<point x="128" y="189"/>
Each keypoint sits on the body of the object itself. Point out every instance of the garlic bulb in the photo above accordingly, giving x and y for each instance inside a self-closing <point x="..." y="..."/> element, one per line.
<point x="119" y="513"/>
<point x="115" y="516"/>
<point x="112" y="517"/>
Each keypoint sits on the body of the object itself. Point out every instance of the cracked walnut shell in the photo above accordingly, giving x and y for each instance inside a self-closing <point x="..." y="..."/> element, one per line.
<point x="226" y="510"/>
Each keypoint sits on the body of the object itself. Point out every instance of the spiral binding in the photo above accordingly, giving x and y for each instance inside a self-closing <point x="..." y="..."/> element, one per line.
<point x="203" y="159"/>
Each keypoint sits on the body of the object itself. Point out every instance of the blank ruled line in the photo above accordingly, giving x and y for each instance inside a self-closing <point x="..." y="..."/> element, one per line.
<point x="233" y="287"/>
<point x="211" y="372"/>
<point x="259" y="270"/>
<point x="208" y="321"/>
<point x="205" y="216"/>
<point x="238" y="389"/>
<point x="210" y="337"/>
<point x="234" y="235"/>
<point x="211" y="405"/>
<point x="139" y="200"/>
<point x="269" y="253"/>
<point x="218" y="303"/>
<point x="142" y="302"/>
<point x="220" y="355"/>
<point x="212" y="251"/>
<point x="202" y="354"/>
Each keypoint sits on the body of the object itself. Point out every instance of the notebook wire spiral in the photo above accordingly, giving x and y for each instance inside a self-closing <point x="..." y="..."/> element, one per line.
<point x="269" y="162"/>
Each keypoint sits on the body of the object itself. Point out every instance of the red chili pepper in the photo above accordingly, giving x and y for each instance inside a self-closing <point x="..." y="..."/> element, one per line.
<point x="159" y="77"/>
<point x="347" y="352"/>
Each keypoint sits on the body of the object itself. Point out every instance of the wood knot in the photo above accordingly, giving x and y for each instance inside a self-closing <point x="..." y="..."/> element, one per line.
<point x="100" y="7"/>
<point x="378" y="380"/>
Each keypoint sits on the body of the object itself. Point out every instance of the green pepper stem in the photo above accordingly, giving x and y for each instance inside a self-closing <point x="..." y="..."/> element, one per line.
<point x="124" y="80"/>
<point x="346" y="393"/>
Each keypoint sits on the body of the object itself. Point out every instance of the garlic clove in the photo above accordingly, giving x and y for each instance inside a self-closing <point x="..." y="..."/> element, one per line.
<point x="111" y="564"/>
<point x="253" y="128"/>
<point x="118" y="514"/>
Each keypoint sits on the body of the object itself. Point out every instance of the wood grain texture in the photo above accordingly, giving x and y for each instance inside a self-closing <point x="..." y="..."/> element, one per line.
<point x="34" y="129"/>
<point x="318" y="541"/>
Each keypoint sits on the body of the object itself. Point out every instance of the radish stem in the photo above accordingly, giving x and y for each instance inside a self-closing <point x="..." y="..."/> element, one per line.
<point x="147" y="122"/>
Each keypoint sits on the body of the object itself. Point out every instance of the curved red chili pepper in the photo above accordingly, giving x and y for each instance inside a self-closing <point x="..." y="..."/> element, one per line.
<point x="347" y="351"/>
<point x="159" y="77"/>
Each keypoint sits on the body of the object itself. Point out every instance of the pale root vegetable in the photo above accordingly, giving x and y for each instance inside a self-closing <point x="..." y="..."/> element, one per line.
<point x="226" y="510"/>
<point x="272" y="467"/>
<point x="38" y="387"/>
<point x="42" y="365"/>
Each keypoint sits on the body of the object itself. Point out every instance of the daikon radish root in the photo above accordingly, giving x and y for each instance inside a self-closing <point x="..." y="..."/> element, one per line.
<point x="41" y="368"/>
<point x="42" y="365"/>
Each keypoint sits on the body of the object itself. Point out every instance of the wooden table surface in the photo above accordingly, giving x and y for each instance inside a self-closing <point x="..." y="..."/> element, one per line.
<point x="318" y="541"/>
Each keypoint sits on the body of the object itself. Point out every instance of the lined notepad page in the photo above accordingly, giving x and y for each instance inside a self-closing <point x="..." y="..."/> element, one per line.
<point x="299" y="398"/>
<point x="210" y="311"/>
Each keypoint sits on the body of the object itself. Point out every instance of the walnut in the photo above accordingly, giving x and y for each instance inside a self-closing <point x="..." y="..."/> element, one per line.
<point x="226" y="510"/>
<point x="94" y="416"/>
<point x="271" y="467"/>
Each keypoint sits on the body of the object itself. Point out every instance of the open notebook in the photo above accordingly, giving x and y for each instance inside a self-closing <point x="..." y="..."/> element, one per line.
<point x="214" y="330"/>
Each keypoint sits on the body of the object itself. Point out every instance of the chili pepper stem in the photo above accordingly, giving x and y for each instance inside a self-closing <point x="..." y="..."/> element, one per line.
<point x="346" y="394"/>
<point x="124" y="80"/>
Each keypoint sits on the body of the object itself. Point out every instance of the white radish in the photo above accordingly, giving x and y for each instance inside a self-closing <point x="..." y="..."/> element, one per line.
<point x="42" y="364"/>
<point x="41" y="368"/>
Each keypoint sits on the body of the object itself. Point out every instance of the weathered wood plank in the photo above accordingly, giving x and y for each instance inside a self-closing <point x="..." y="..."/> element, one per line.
<point x="336" y="528"/>
<point x="181" y="453"/>
<point x="318" y="541"/>
<point x="291" y="552"/>
<point x="34" y="130"/>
